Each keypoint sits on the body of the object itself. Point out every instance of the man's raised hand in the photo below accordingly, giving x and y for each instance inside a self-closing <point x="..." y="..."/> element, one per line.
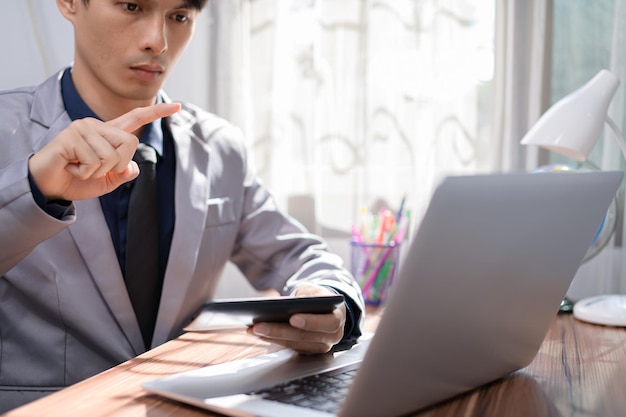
<point x="90" y="157"/>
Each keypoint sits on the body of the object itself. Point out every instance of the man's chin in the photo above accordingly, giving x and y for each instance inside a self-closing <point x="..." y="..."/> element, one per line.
<point x="143" y="96"/>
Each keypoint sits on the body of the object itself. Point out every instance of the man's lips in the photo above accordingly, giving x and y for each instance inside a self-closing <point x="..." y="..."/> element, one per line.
<point x="148" y="72"/>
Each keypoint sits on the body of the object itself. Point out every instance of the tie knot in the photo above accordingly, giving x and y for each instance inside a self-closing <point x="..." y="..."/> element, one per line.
<point x="145" y="153"/>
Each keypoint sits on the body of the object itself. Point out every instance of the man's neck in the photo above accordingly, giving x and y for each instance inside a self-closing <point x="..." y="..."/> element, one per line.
<point x="103" y="102"/>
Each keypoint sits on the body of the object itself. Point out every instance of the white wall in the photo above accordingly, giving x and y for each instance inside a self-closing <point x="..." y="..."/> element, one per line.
<point x="36" y="41"/>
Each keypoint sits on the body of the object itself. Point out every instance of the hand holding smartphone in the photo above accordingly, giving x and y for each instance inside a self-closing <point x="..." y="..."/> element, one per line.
<point x="247" y="311"/>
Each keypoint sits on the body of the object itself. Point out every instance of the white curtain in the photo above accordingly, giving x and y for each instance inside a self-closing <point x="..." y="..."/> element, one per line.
<point x="356" y="103"/>
<point x="523" y="46"/>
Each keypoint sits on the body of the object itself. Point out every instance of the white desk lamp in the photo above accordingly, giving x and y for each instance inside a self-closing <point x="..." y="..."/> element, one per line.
<point x="572" y="127"/>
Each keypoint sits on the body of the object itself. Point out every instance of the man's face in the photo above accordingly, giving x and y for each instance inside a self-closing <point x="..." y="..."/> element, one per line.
<point x="125" y="50"/>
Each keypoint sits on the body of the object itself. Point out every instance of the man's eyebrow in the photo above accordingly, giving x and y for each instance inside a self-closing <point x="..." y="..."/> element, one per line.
<point x="186" y="5"/>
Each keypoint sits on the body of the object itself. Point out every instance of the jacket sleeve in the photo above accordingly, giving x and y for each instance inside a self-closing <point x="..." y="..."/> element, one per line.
<point x="274" y="250"/>
<point x="23" y="224"/>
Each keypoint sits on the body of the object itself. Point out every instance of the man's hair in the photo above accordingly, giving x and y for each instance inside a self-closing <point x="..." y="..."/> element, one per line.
<point x="194" y="4"/>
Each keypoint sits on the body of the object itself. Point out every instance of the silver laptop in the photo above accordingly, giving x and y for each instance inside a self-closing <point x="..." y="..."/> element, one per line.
<point x="481" y="282"/>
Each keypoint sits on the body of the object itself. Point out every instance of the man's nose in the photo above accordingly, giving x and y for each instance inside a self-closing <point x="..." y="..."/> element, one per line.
<point x="154" y="35"/>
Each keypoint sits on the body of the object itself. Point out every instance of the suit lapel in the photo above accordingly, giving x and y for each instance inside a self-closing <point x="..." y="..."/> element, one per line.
<point x="192" y="191"/>
<point x="99" y="256"/>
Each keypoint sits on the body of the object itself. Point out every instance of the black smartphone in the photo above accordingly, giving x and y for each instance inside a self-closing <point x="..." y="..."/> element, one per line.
<point x="277" y="309"/>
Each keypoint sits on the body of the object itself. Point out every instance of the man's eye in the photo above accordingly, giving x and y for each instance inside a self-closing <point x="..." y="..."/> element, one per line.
<point x="181" y="18"/>
<point x="131" y="7"/>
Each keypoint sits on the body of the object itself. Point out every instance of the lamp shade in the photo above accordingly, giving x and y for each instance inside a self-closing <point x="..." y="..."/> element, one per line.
<point x="573" y="125"/>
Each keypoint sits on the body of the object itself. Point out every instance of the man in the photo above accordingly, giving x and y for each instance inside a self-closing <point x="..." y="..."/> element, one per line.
<point x="66" y="169"/>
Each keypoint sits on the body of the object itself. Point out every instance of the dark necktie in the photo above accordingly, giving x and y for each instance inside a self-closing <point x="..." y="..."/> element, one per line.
<point x="142" y="246"/>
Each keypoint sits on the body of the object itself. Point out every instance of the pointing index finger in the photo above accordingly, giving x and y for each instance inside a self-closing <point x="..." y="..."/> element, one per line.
<point x="140" y="116"/>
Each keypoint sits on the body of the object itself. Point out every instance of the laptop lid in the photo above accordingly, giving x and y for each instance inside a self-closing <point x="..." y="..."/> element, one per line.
<point x="482" y="281"/>
<point x="478" y="288"/>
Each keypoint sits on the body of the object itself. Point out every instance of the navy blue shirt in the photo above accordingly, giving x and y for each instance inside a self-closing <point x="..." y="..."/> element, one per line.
<point x="115" y="204"/>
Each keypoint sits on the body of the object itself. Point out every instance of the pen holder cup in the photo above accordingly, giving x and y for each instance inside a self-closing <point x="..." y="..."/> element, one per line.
<point x="374" y="266"/>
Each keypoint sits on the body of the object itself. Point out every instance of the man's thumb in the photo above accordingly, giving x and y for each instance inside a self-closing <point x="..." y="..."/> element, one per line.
<point x="115" y="179"/>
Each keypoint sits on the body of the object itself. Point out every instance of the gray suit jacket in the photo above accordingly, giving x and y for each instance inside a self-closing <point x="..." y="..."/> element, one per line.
<point x="64" y="310"/>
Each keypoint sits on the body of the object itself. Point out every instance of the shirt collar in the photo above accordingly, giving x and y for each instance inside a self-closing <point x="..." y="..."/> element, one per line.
<point x="77" y="109"/>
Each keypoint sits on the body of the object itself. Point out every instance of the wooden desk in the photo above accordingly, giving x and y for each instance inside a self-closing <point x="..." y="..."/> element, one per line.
<point x="579" y="371"/>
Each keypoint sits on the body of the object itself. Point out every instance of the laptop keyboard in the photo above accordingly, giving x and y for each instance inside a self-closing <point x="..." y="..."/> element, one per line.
<point x="323" y="392"/>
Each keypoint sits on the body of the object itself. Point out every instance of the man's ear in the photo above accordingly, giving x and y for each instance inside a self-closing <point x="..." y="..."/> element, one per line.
<point x="67" y="8"/>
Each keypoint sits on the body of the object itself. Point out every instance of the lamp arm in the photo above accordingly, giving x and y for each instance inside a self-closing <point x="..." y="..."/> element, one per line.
<point x="618" y="135"/>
